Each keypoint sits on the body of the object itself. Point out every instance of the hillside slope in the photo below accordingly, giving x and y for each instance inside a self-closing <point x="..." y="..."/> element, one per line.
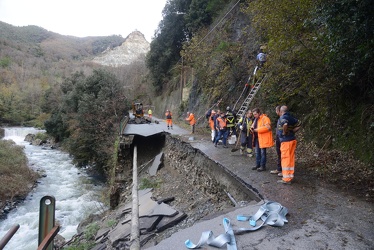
<point x="310" y="66"/>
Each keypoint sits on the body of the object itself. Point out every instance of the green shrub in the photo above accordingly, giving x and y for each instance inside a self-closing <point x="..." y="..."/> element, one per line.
<point x="146" y="183"/>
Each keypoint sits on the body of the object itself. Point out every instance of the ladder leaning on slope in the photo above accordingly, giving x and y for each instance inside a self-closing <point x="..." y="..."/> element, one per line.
<point x="250" y="96"/>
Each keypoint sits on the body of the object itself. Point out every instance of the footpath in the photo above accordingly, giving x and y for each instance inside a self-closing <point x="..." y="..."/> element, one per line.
<point x="320" y="216"/>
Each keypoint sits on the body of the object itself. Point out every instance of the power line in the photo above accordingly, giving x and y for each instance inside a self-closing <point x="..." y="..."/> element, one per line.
<point x="218" y="23"/>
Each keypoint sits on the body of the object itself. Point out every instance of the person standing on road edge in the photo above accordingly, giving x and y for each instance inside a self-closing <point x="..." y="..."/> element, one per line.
<point x="246" y="133"/>
<point x="278" y="171"/>
<point x="230" y="119"/>
<point x="150" y="113"/>
<point x="286" y="129"/>
<point x="169" y="121"/>
<point x="191" y="119"/>
<point x="221" y="125"/>
<point x="212" y="124"/>
<point x="218" y="113"/>
<point x="263" y="138"/>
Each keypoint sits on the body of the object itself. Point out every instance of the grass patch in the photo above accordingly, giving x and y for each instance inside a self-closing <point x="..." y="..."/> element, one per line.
<point x="147" y="183"/>
<point x="16" y="177"/>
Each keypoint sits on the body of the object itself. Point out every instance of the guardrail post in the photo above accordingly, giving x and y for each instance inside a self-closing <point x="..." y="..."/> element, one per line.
<point x="46" y="218"/>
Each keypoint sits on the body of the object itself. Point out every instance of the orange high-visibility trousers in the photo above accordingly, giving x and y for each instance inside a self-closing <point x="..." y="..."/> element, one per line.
<point x="288" y="159"/>
<point x="169" y="122"/>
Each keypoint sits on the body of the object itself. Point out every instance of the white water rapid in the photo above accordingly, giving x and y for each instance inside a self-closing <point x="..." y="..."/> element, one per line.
<point x="77" y="195"/>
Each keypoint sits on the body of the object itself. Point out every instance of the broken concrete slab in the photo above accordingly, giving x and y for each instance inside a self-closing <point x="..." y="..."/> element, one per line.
<point x="167" y="222"/>
<point x="153" y="215"/>
<point x="157" y="162"/>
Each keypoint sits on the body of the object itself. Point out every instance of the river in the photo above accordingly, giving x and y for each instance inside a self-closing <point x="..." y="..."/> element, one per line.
<point x="77" y="194"/>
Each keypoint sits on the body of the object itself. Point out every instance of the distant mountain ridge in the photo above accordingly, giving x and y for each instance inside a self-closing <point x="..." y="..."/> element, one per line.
<point x="53" y="45"/>
<point x="135" y="47"/>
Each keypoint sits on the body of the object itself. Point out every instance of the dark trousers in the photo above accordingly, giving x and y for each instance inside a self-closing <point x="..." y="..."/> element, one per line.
<point x="260" y="155"/>
<point x="277" y="148"/>
<point x="222" y="133"/>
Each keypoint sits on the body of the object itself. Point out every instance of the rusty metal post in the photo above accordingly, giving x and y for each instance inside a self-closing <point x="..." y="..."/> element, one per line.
<point x="46" y="218"/>
<point x="49" y="238"/>
<point x="135" y="234"/>
<point x="8" y="236"/>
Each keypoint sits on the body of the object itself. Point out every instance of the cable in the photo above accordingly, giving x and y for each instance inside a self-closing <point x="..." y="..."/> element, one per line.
<point x="218" y="23"/>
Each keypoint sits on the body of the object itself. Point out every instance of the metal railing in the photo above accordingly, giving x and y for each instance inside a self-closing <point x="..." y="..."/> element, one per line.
<point x="8" y="236"/>
<point x="47" y="228"/>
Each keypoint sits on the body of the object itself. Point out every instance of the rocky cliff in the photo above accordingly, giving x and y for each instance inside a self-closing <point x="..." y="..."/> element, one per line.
<point x="133" y="48"/>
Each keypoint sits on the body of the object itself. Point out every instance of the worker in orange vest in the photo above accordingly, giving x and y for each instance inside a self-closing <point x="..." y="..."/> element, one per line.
<point x="191" y="119"/>
<point x="263" y="138"/>
<point x="169" y="122"/>
<point x="212" y="125"/>
<point x="221" y="126"/>
<point x="287" y="126"/>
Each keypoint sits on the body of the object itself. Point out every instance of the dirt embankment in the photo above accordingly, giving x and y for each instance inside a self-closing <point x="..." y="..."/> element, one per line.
<point x="200" y="186"/>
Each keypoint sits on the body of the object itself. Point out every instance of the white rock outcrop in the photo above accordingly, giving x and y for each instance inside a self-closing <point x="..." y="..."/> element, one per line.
<point x="135" y="47"/>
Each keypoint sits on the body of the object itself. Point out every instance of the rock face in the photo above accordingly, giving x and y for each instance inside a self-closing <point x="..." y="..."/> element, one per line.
<point x="134" y="48"/>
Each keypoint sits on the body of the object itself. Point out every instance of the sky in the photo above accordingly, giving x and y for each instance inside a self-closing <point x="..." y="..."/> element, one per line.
<point x="83" y="18"/>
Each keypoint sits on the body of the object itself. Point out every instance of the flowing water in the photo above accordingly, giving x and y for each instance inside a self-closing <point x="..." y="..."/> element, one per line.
<point x="77" y="195"/>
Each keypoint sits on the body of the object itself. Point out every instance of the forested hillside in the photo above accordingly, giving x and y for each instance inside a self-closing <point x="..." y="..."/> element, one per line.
<point x="320" y="62"/>
<point x="34" y="61"/>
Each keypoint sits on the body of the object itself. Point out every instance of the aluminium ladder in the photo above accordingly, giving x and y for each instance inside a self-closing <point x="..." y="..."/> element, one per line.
<point x="250" y="96"/>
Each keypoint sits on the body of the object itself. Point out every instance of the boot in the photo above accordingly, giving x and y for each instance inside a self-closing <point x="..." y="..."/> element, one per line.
<point x="255" y="168"/>
<point x="262" y="168"/>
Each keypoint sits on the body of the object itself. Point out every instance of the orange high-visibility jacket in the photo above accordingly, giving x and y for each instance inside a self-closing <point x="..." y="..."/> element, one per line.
<point x="265" y="136"/>
<point x="221" y="123"/>
<point x="211" y="121"/>
<point x="168" y="115"/>
<point x="191" y="119"/>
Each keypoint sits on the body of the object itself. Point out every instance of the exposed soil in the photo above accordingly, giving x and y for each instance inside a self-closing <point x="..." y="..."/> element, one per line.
<point x="184" y="177"/>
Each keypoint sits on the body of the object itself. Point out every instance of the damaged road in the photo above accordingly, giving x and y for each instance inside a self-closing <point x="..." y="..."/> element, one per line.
<point x="321" y="216"/>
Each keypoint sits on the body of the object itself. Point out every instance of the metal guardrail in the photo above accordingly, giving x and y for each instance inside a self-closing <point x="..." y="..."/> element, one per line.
<point x="47" y="228"/>
<point x="46" y="218"/>
<point x="123" y="124"/>
<point x="8" y="236"/>
<point x="49" y="238"/>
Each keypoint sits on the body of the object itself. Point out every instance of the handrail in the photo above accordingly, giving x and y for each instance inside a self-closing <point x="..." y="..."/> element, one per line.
<point x="123" y="124"/>
<point x="8" y="236"/>
<point x="49" y="238"/>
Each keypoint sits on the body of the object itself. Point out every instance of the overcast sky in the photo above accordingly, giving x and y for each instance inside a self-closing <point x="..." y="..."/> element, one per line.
<point x="83" y="18"/>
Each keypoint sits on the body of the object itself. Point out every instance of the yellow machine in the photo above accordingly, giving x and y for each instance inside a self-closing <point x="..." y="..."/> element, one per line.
<point x="137" y="109"/>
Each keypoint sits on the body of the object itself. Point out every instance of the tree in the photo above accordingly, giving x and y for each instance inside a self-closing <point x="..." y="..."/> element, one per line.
<point x="167" y="44"/>
<point x="88" y="120"/>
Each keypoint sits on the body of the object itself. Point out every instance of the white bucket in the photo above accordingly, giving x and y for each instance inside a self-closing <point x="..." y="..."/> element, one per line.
<point x="232" y="139"/>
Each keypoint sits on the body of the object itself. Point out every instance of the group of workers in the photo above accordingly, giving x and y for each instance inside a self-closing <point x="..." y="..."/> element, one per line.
<point x="190" y="119"/>
<point x="255" y="132"/>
